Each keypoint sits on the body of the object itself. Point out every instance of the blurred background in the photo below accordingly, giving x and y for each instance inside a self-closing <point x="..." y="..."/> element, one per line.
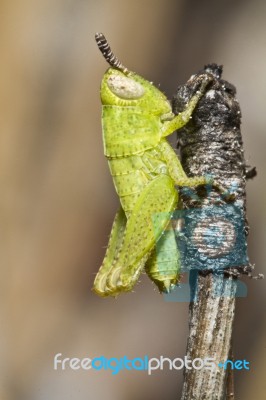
<point x="57" y="199"/>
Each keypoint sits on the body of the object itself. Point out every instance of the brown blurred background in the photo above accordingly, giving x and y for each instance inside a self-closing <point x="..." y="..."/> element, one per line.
<point x="57" y="199"/>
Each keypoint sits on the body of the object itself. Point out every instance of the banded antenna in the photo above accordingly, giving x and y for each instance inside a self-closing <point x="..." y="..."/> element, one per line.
<point x="108" y="54"/>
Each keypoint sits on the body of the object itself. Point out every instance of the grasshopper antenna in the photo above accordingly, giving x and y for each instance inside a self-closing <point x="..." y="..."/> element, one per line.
<point x="108" y="54"/>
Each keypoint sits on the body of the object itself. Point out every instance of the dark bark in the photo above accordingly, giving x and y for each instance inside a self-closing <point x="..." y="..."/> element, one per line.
<point x="211" y="144"/>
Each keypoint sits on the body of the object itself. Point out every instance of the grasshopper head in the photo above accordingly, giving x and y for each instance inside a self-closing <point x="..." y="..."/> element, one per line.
<point x="123" y="88"/>
<point x="131" y="90"/>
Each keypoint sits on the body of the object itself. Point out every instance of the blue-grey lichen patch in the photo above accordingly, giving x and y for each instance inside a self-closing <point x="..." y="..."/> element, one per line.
<point x="212" y="238"/>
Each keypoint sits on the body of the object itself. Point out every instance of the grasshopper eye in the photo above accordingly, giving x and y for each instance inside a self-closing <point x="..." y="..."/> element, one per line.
<point x="125" y="88"/>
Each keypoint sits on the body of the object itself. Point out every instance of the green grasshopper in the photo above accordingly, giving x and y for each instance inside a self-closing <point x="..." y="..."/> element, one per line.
<point x="136" y="118"/>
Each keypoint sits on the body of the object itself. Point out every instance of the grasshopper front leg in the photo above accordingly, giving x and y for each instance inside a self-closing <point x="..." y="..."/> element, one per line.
<point x="180" y="120"/>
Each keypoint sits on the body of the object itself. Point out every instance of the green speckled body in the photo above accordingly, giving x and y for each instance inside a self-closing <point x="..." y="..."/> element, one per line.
<point x="132" y="174"/>
<point x="136" y="118"/>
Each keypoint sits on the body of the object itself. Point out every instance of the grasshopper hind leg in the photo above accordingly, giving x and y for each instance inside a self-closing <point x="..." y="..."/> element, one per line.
<point x="148" y="220"/>
<point x="134" y="237"/>
<point x="115" y="241"/>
